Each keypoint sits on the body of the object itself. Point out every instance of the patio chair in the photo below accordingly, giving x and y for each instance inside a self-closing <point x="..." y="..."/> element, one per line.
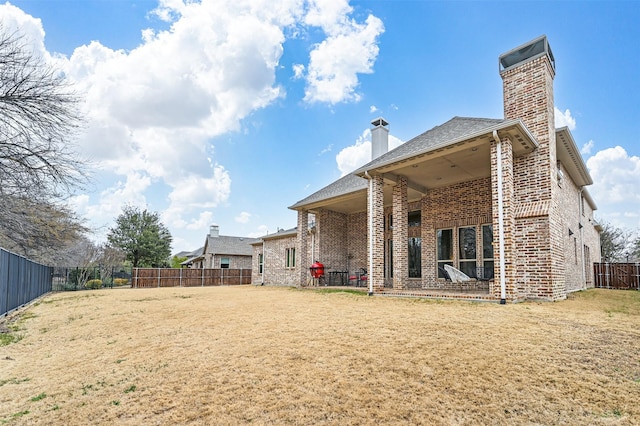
<point x="456" y="275"/>
<point x="444" y="273"/>
<point x="358" y="277"/>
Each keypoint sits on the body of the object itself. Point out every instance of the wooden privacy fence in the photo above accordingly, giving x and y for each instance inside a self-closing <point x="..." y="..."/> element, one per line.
<point x="617" y="275"/>
<point x="184" y="277"/>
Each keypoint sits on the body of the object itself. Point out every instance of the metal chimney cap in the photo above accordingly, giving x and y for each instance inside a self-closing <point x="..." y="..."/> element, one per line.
<point x="525" y="53"/>
<point x="380" y="122"/>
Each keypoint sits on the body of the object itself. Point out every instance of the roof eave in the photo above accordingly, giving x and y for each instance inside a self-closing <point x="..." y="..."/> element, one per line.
<point x="577" y="168"/>
<point x="587" y="197"/>
<point x="323" y="202"/>
<point x="506" y="124"/>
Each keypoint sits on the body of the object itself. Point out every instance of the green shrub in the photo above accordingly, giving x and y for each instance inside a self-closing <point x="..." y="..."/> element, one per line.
<point x="93" y="284"/>
<point x="120" y="281"/>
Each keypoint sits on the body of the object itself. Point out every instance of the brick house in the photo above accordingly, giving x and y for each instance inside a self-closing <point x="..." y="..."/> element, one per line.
<point x="502" y="200"/>
<point x="274" y="259"/>
<point x="221" y="251"/>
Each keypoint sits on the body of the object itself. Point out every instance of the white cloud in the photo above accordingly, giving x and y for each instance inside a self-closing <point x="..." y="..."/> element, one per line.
<point x="350" y="49"/>
<point x="359" y="154"/>
<point x="615" y="189"/>
<point x="373" y="109"/>
<point x="587" y="147"/>
<point x="151" y="111"/>
<point x="203" y="221"/>
<point x="261" y="231"/>
<point x="327" y="149"/>
<point x="298" y="71"/>
<point x="243" y="217"/>
<point x="563" y="119"/>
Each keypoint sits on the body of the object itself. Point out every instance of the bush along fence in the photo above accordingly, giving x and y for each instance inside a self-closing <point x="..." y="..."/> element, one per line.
<point x="617" y="275"/>
<point x="170" y="277"/>
<point x="74" y="278"/>
<point x="21" y="281"/>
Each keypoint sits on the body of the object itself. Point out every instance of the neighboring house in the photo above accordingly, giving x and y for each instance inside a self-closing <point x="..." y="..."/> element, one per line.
<point x="221" y="251"/>
<point x="503" y="200"/>
<point x="191" y="256"/>
<point x="274" y="259"/>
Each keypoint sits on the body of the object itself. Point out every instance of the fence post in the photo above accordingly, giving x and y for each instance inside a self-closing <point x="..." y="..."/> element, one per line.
<point x="180" y="277"/>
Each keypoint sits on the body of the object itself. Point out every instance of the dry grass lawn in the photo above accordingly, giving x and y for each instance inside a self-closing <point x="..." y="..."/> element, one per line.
<point x="238" y="355"/>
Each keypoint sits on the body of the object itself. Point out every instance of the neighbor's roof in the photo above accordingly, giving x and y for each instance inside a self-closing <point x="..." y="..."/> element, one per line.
<point x="454" y="130"/>
<point x="229" y="245"/>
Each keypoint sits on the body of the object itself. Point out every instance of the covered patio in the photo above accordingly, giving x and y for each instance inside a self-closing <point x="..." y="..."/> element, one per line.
<point x="444" y="185"/>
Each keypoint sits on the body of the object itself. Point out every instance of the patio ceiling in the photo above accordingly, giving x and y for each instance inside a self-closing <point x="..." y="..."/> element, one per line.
<point x="446" y="167"/>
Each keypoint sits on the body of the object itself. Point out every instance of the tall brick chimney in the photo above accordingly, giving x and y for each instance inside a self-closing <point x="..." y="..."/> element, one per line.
<point x="214" y="231"/>
<point x="379" y="138"/>
<point x="527" y="77"/>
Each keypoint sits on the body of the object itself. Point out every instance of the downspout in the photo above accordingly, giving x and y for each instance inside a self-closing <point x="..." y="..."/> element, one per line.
<point x="503" y="291"/>
<point x="263" y="260"/>
<point x="581" y="213"/>
<point x="370" y="230"/>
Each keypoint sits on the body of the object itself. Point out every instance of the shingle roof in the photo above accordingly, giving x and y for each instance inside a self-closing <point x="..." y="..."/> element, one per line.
<point x="445" y="134"/>
<point x="452" y="131"/>
<point x="345" y="185"/>
<point x="281" y="233"/>
<point x="230" y="245"/>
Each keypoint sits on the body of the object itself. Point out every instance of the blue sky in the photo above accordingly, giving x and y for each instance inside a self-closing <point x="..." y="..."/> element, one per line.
<point x="227" y="112"/>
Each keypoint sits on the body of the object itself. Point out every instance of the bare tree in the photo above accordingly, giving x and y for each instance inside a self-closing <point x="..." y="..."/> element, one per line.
<point x="39" y="230"/>
<point x="38" y="116"/>
<point x="615" y="243"/>
<point x="38" y="166"/>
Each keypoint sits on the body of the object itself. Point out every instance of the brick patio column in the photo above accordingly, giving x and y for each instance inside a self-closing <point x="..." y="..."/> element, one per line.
<point x="400" y="235"/>
<point x="303" y="262"/>
<point x="376" y="220"/>
<point x="509" y="220"/>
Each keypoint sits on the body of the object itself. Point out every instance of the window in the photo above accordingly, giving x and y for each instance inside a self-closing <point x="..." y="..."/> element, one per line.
<point x="467" y="250"/>
<point x="290" y="260"/>
<point x="224" y="262"/>
<point x="390" y="267"/>
<point x="415" y="257"/>
<point x="414" y="219"/>
<point x="487" y="251"/>
<point x="260" y="262"/>
<point x="390" y="222"/>
<point x="445" y="249"/>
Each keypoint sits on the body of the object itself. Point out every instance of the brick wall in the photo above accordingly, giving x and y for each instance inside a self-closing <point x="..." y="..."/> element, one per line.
<point x="275" y="270"/>
<point x="357" y="242"/>
<point x="235" y="261"/>
<point x="332" y="240"/>
<point x="400" y="235"/>
<point x="376" y="270"/>
<point x="460" y="205"/>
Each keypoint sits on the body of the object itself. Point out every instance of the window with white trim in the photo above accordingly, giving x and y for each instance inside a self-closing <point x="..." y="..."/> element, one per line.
<point x="415" y="257"/>
<point x="467" y="250"/>
<point x="487" y="251"/>
<point x="444" y="243"/>
<point x="290" y="258"/>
